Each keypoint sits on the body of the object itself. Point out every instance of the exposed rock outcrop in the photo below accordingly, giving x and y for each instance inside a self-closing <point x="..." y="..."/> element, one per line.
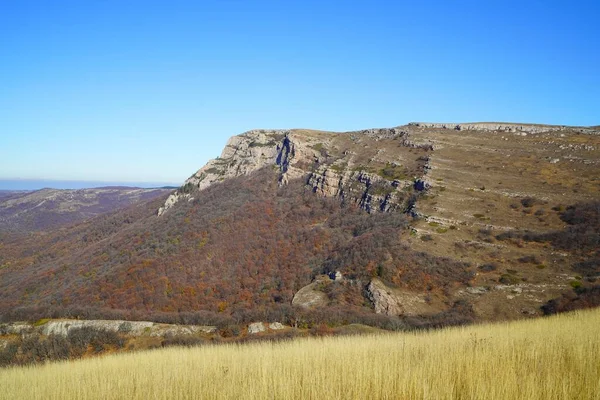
<point x="503" y="127"/>
<point x="394" y="301"/>
<point x="17" y="328"/>
<point x="256" y="327"/>
<point x="242" y="155"/>
<point x="137" y="328"/>
<point x="375" y="168"/>
<point x="333" y="164"/>
<point x="276" y="326"/>
<point x="310" y="296"/>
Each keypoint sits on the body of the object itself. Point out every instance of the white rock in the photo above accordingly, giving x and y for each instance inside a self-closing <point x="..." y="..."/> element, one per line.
<point x="275" y="326"/>
<point x="476" y="290"/>
<point x="256" y="327"/>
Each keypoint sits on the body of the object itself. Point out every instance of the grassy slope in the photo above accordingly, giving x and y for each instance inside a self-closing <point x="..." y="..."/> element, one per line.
<point x="552" y="358"/>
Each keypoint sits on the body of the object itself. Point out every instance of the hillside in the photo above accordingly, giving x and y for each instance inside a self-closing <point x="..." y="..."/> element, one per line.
<point x="423" y="224"/>
<point x="550" y="358"/>
<point x="46" y="209"/>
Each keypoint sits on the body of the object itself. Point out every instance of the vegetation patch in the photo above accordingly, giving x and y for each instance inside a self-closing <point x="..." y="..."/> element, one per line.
<point x="392" y="172"/>
<point x="187" y="188"/>
<point x="487" y="267"/>
<point x="509" y="279"/>
<point x="575" y="284"/>
<point x="42" y="321"/>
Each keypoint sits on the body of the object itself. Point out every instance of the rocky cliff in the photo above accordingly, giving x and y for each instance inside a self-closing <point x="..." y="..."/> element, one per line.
<point x="377" y="168"/>
<point x="504" y="221"/>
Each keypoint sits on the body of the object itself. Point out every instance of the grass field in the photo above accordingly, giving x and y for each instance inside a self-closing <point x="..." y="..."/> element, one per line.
<point x="551" y="358"/>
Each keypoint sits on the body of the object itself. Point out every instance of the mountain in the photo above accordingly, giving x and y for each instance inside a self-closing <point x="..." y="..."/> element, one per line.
<point x="47" y="209"/>
<point x="423" y="224"/>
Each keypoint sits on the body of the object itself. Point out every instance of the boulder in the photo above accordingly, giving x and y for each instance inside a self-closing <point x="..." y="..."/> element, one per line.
<point x="310" y="296"/>
<point x="256" y="327"/>
<point x="275" y="326"/>
<point x="397" y="301"/>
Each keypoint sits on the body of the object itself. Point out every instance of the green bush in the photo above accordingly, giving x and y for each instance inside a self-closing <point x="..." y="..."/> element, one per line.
<point x="575" y="284"/>
<point x="509" y="279"/>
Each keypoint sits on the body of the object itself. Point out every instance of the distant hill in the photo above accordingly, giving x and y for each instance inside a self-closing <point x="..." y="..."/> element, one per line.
<point x="46" y="209"/>
<point x="10" y="193"/>
<point x="428" y="224"/>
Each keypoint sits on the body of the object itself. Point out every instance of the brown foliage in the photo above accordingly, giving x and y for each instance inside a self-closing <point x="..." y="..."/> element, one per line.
<point x="237" y="253"/>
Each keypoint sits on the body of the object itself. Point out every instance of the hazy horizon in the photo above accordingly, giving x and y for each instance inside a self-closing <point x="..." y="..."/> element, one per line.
<point x="37" y="184"/>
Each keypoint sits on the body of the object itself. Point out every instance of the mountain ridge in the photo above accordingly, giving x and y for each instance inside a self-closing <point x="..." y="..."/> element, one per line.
<point x="419" y="222"/>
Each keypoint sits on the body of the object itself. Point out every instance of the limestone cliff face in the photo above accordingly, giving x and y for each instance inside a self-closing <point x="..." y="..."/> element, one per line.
<point x="242" y="155"/>
<point x="374" y="168"/>
<point x="379" y="169"/>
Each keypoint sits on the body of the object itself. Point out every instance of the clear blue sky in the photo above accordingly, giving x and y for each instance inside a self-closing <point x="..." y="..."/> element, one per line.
<point x="149" y="91"/>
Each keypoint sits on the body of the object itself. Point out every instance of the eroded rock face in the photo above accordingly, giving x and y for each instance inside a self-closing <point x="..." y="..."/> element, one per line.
<point x="136" y="328"/>
<point x="242" y="155"/>
<point x="350" y="166"/>
<point x="396" y="302"/>
<point x="16" y="328"/>
<point x="383" y="300"/>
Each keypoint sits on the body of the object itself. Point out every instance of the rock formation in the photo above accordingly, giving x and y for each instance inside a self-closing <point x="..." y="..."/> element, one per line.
<point x="394" y="301"/>
<point x="256" y="327"/>
<point x="362" y="167"/>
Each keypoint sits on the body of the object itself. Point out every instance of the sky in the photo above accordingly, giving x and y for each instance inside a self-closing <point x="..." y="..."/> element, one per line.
<point x="148" y="91"/>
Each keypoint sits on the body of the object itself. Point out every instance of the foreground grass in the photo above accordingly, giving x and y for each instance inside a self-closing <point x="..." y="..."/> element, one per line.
<point x="552" y="358"/>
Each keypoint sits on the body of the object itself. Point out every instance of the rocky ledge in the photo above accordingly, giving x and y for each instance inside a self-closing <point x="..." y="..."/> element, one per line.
<point x="333" y="164"/>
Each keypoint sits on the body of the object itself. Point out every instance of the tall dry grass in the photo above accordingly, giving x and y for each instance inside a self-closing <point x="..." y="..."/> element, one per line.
<point x="551" y="358"/>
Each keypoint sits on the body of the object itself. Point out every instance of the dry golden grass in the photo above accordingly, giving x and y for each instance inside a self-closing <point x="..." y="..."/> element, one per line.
<point x="552" y="358"/>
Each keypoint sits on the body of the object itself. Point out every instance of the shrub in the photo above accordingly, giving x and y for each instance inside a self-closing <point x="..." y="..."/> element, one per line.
<point x="509" y="279"/>
<point x="183" y="340"/>
<point x="8" y="354"/>
<point x="528" y="202"/>
<point x="575" y="284"/>
<point x="529" y="259"/>
<point x="81" y="338"/>
<point x="582" y="298"/>
<point x="231" y="331"/>
<point x="487" y="267"/>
